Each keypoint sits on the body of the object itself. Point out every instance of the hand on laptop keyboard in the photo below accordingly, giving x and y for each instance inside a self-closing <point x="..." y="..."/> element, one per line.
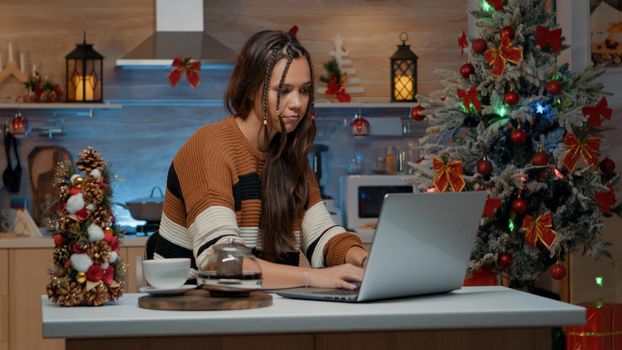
<point x="340" y="276"/>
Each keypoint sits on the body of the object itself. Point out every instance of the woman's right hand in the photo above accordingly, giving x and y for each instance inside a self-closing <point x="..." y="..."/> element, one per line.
<point x="334" y="277"/>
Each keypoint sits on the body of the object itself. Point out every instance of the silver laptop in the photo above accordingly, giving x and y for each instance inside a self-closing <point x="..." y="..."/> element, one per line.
<point x="421" y="246"/>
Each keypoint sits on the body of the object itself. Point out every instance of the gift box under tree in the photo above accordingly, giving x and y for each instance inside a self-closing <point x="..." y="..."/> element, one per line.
<point x="602" y="329"/>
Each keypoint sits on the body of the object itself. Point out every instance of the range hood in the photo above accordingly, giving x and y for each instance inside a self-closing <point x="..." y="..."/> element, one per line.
<point x="179" y="33"/>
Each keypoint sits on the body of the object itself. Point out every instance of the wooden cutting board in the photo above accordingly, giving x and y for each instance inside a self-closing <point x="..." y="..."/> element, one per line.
<point x="199" y="299"/>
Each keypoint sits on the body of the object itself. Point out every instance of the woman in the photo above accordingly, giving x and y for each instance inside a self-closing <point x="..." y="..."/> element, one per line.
<point x="247" y="177"/>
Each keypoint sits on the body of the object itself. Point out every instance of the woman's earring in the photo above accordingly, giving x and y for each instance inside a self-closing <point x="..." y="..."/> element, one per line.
<point x="265" y="121"/>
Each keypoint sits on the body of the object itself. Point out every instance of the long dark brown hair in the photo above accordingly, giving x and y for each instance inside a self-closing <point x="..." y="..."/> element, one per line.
<point x="284" y="182"/>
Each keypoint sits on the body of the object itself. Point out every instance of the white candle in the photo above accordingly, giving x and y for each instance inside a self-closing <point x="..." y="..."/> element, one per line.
<point x="34" y="70"/>
<point x="22" y="66"/>
<point x="403" y="88"/>
<point x="84" y="85"/>
<point x="10" y="52"/>
<point x="1" y="63"/>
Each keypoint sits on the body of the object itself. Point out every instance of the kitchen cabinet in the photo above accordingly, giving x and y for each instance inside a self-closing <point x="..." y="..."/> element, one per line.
<point x="4" y="299"/>
<point x="28" y="278"/>
<point x="23" y="267"/>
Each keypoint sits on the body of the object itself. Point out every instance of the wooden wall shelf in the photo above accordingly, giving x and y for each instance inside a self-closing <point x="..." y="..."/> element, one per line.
<point x="360" y="105"/>
<point x="60" y="106"/>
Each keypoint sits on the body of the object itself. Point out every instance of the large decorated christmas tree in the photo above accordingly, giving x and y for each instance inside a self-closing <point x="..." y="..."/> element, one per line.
<point x="529" y="132"/>
<point x="87" y="267"/>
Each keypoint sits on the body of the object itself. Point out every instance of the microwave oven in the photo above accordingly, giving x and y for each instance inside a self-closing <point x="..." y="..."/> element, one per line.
<point x="361" y="198"/>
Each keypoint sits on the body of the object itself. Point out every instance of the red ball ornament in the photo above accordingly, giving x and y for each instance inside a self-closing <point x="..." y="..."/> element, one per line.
<point x="507" y="31"/>
<point x="484" y="167"/>
<point x="511" y="97"/>
<point x="416" y="113"/>
<point x="558" y="271"/>
<point x="479" y="46"/>
<point x="540" y="158"/>
<point x="519" y="206"/>
<point x="58" y="240"/>
<point x="505" y="260"/>
<point x="360" y="126"/>
<point x="519" y="137"/>
<point x="19" y="125"/>
<point x="554" y="87"/>
<point x="466" y="70"/>
<point x="607" y="166"/>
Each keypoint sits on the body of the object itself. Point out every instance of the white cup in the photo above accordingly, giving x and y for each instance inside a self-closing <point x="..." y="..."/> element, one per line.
<point x="166" y="273"/>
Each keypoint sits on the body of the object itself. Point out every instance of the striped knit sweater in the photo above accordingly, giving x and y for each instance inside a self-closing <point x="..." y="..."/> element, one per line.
<point x="213" y="195"/>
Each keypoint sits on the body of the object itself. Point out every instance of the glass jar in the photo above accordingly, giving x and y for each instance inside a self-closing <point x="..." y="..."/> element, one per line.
<point x="231" y="270"/>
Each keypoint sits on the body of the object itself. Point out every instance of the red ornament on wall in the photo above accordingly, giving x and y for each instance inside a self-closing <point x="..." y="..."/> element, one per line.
<point x="558" y="271"/>
<point x="540" y="158"/>
<point x="554" y="87"/>
<point x="417" y="113"/>
<point x="519" y="137"/>
<point x="505" y="260"/>
<point x="511" y="97"/>
<point x="519" y="206"/>
<point x="360" y="126"/>
<point x="479" y="46"/>
<point x="19" y="125"/>
<point x="607" y="166"/>
<point x="507" y="31"/>
<point x="484" y="167"/>
<point x="466" y="70"/>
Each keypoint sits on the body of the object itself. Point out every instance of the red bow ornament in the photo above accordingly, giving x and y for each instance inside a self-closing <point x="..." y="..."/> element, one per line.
<point x="504" y="53"/>
<point x="188" y="66"/>
<point x="492" y="203"/>
<point x="594" y="113"/>
<point x="462" y="42"/>
<point x="468" y="97"/>
<point x="541" y="229"/>
<point x="497" y="4"/>
<point x="448" y="174"/>
<point x="588" y="148"/>
<point x="545" y="36"/>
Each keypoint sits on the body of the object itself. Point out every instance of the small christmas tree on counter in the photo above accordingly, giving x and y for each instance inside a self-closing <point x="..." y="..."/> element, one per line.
<point x="87" y="267"/>
<point x="528" y="132"/>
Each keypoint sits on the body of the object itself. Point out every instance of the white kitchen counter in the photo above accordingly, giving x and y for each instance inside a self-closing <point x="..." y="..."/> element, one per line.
<point x="470" y="307"/>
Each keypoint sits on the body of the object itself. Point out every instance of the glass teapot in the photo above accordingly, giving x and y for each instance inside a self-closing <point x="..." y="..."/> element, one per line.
<point x="231" y="270"/>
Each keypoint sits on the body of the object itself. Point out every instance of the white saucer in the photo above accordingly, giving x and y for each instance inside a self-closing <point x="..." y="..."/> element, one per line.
<point x="167" y="291"/>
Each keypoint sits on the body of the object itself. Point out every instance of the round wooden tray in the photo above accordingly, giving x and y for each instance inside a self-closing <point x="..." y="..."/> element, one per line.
<point x="199" y="299"/>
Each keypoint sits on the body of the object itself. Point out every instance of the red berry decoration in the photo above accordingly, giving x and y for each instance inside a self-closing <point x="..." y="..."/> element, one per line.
<point x="519" y="206"/>
<point x="416" y="113"/>
<point x="519" y="137"/>
<point x="558" y="271"/>
<point x="540" y="158"/>
<point x="507" y="31"/>
<point x="505" y="260"/>
<point x="511" y="97"/>
<point x="607" y="166"/>
<point x="466" y="70"/>
<point x="479" y="46"/>
<point x="554" y="87"/>
<point x="484" y="167"/>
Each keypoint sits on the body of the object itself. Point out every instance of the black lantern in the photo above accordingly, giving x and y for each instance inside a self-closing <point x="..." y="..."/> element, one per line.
<point x="85" y="74"/>
<point x="403" y="73"/>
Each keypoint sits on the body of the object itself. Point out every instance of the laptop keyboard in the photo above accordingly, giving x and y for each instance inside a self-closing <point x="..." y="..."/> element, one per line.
<point x="335" y="291"/>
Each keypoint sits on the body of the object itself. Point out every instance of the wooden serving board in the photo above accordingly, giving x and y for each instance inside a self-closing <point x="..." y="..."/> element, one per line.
<point x="199" y="299"/>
